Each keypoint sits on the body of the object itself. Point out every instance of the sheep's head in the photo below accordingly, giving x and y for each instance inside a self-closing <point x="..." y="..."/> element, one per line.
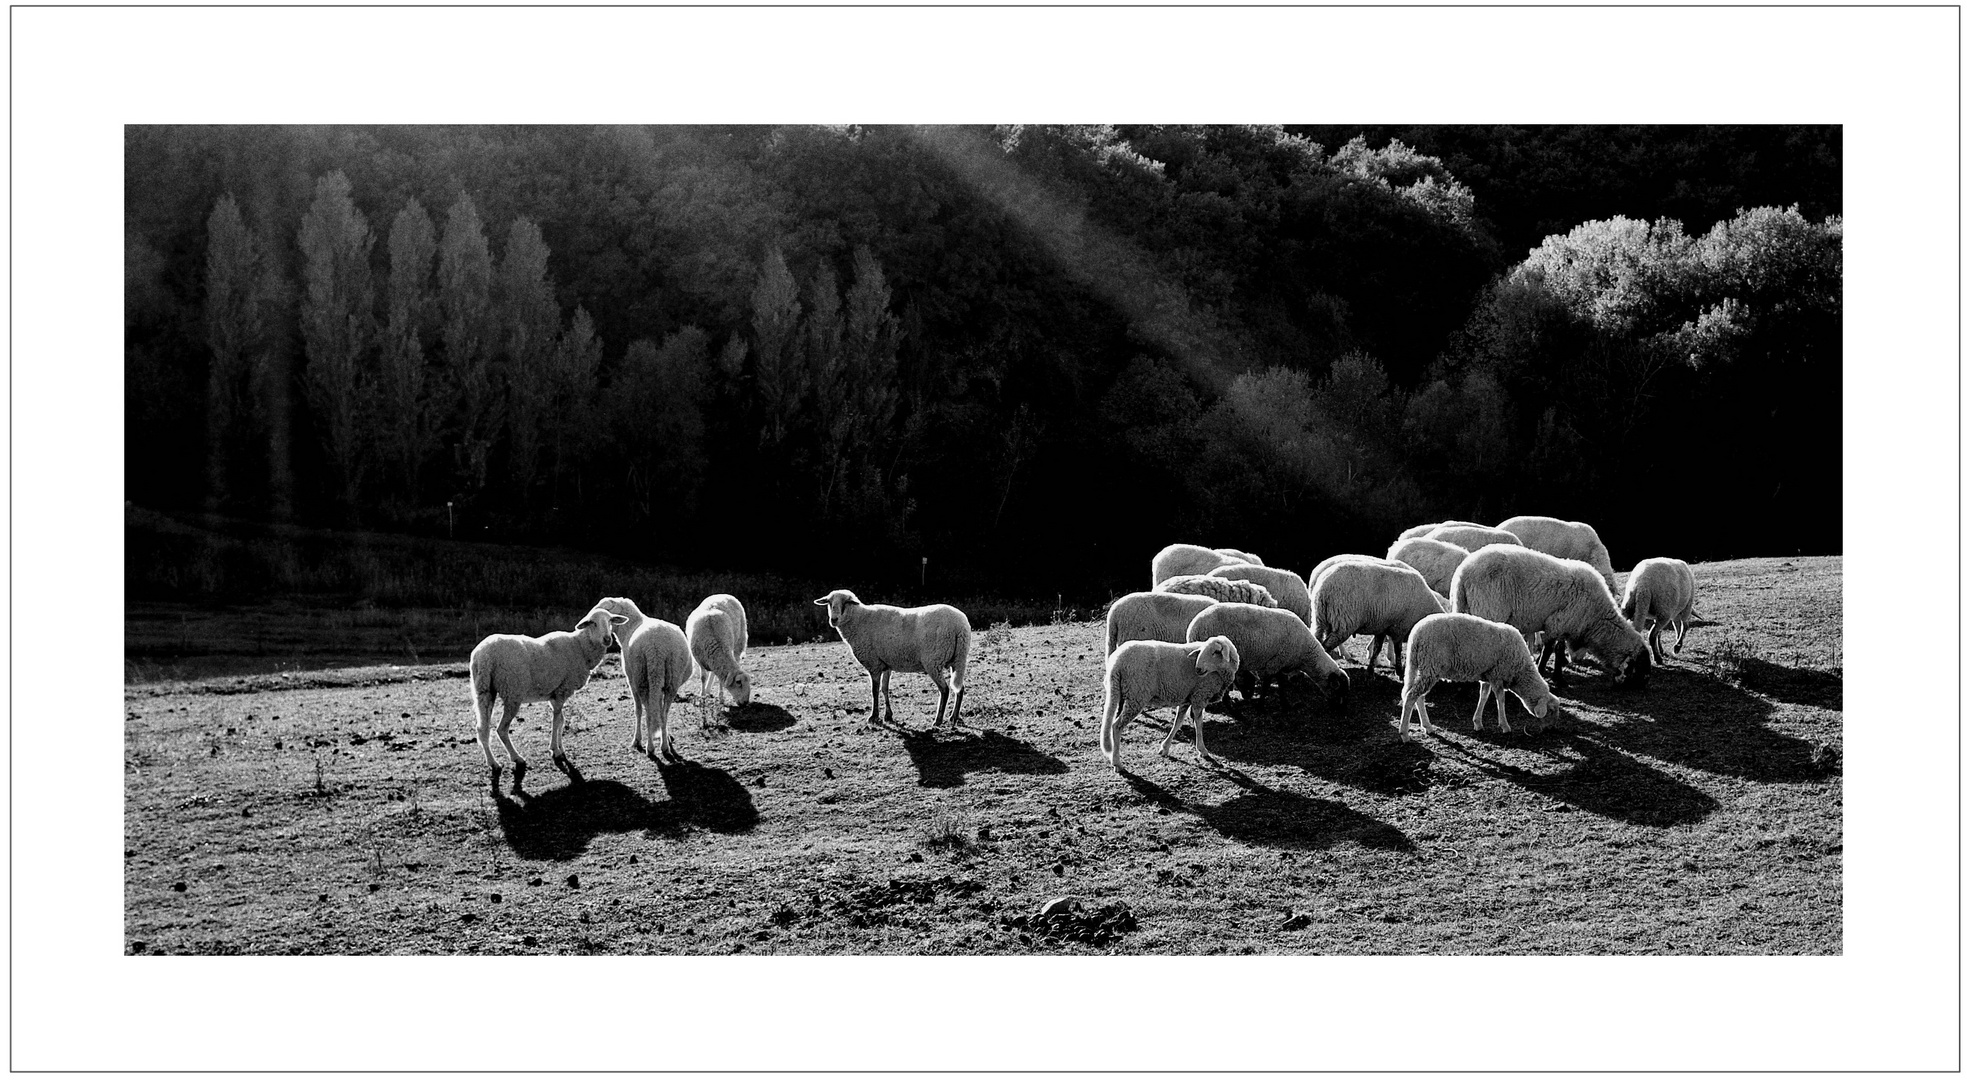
<point x="619" y="605"/>
<point x="1637" y="667"/>
<point x="1531" y="689"/>
<point x="1218" y="654"/>
<point x="600" y="623"/>
<point x="740" y="688"/>
<point x="1337" y="683"/>
<point x="836" y="602"/>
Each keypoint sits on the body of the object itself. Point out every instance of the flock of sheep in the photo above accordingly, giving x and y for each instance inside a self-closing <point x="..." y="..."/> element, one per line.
<point x="1455" y="600"/>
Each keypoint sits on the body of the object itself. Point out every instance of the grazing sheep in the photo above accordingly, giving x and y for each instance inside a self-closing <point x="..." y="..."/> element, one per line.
<point x="1177" y="559"/>
<point x="1435" y="559"/>
<point x="1142" y="675"/>
<point x="717" y="633"/>
<point x="1368" y="598"/>
<point x="1311" y="579"/>
<point x="656" y="661"/>
<point x="1564" y="539"/>
<point x="1240" y="555"/>
<point x="1659" y="592"/>
<point x="1462" y="647"/>
<point x="1423" y="530"/>
<point x="1290" y="590"/>
<point x="1152" y="616"/>
<point x="1473" y="537"/>
<point x="933" y="640"/>
<point x="1222" y="590"/>
<point x="521" y="669"/>
<point x="1564" y="599"/>
<point x="1273" y="645"/>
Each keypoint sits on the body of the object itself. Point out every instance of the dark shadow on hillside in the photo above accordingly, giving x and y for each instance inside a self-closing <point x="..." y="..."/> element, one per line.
<point x="1689" y="716"/>
<point x="1596" y="778"/>
<point x="559" y="823"/>
<point x="1793" y="685"/>
<point x="1262" y="815"/>
<point x="943" y="757"/>
<point x="702" y="797"/>
<point x="1359" y="748"/>
<point x="758" y="716"/>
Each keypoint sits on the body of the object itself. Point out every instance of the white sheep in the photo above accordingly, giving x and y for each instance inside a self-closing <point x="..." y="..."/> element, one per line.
<point x="1423" y="530"/>
<point x="1273" y="645"/>
<point x="1370" y="598"/>
<point x="933" y="640"/>
<point x="1176" y="559"/>
<point x="1658" y="592"/>
<point x="1474" y="537"/>
<point x="1319" y="571"/>
<point x="1142" y="675"/>
<point x="1435" y="559"/>
<point x="717" y="633"/>
<point x="1290" y="590"/>
<point x="1564" y="539"/>
<point x="1240" y="555"/>
<point x="522" y="669"/>
<point x="1152" y="616"/>
<point x="1563" y="599"/>
<point x="657" y="663"/>
<point x="1462" y="647"/>
<point x="1223" y="590"/>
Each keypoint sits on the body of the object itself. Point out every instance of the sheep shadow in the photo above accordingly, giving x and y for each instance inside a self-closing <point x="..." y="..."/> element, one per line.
<point x="1793" y="685"/>
<point x="1595" y="777"/>
<point x="1283" y="819"/>
<point x="559" y="823"/>
<point x="1357" y="748"/>
<point x="701" y="797"/>
<point x="758" y="716"/>
<point x="942" y="757"/>
<point x="1692" y="717"/>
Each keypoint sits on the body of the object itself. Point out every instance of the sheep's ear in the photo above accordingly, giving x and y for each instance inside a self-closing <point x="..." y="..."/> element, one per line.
<point x="821" y="602"/>
<point x="618" y="619"/>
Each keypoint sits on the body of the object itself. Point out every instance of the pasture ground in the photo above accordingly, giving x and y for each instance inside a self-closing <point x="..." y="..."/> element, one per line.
<point x="348" y="812"/>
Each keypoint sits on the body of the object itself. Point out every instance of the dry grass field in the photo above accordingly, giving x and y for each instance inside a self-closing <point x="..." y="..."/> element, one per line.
<point x="348" y="811"/>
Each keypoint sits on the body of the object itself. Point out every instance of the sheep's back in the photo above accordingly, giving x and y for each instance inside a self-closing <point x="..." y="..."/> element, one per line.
<point x="1287" y="588"/>
<point x="1435" y="559"/>
<point x="1530" y="590"/>
<point x="1152" y="616"/>
<point x="1267" y="640"/>
<point x="1474" y="537"/>
<point x="1152" y="674"/>
<point x="1176" y="560"/>
<point x="1371" y="598"/>
<point x="1461" y="647"/>
<point x="1564" y="539"/>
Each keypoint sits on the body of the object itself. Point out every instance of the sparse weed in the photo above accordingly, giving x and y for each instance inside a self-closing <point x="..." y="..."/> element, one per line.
<point x="1731" y="658"/>
<point x="994" y="640"/>
<point x="944" y="833"/>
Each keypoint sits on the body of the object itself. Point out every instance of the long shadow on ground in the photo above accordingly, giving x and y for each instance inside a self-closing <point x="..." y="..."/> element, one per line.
<point x="702" y="797"/>
<point x="1355" y="747"/>
<point x="1586" y="773"/>
<point x="759" y="716"/>
<point x="943" y="757"/>
<point x="1689" y="716"/>
<point x="559" y="823"/>
<point x="1272" y="818"/>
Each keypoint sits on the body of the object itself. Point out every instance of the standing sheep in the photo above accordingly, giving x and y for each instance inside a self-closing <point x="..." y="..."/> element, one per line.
<point x="1564" y="599"/>
<point x="1368" y="598"/>
<point x="522" y="669"/>
<point x="1423" y="530"/>
<point x="1435" y="559"/>
<point x="1290" y="590"/>
<point x="1463" y="647"/>
<point x="1272" y="644"/>
<point x="1224" y="590"/>
<point x="1473" y="537"/>
<point x="1659" y="592"/>
<point x="717" y="633"/>
<point x="1142" y="675"/>
<point x="933" y="640"/>
<point x="1564" y="539"/>
<point x="656" y="661"/>
<point x="1152" y="616"/>
<point x="1176" y="559"/>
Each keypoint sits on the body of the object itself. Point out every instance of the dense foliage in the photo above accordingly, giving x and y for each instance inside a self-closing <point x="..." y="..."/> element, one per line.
<point x="1035" y="351"/>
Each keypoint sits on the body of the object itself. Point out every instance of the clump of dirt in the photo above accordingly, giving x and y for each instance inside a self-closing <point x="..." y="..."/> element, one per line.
<point x="869" y="905"/>
<point x="1060" y="923"/>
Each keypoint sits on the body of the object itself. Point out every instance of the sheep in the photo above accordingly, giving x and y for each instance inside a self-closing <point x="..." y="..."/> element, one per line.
<point x="1311" y="579"/>
<point x="1435" y="559"/>
<point x="1223" y="590"/>
<point x="1564" y="539"/>
<point x="1272" y="644"/>
<point x="1178" y="559"/>
<point x="522" y="669"/>
<point x="1423" y="530"/>
<point x="1290" y="590"/>
<point x="1473" y="537"/>
<point x="1152" y="616"/>
<point x="933" y="640"/>
<point x="1368" y="598"/>
<point x="1461" y="647"/>
<point x="717" y="633"/>
<point x="657" y="663"/>
<point x="1142" y="675"/>
<point x="1658" y="592"/>
<point x="1564" y="599"/>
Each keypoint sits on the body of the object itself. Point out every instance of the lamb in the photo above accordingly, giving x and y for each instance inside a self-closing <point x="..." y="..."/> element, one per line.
<point x="934" y="640"/>
<point x="1564" y="599"/>
<point x="1473" y="537"/>
<point x="1271" y="644"/>
<point x="1176" y="559"/>
<point x="1367" y="598"/>
<point x="656" y="661"/>
<point x="522" y="669"/>
<point x="717" y="633"/>
<point x="1659" y="592"/>
<point x="1142" y="675"/>
<point x="1435" y="559"/>
<point x="1461" y="647"/>
<point x="1564" y="539"/>
<point x="1423" y="530"/>
<point x="1224" y="590"/>
<point x="1152" y="616"/>
<point x="1290" y="590"/>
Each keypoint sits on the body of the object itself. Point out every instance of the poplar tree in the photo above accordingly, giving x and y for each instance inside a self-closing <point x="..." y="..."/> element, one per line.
<point x="464" y="297"/>
<point x="405" y="401"/>
<point x="337" y="325"/>
<point x="234" y="328"/>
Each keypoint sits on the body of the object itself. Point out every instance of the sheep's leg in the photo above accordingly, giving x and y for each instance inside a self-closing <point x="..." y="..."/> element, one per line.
<point x="942" y="684"/>
<point x="1195" y="718"/>
<point x="1176" y="725"/>
<point x="482" y="706"/>
<point x="874" y="685"/>
<point x="1413" y="699"/>
<point x="1128" y="710"/>
<point x="1481" y="702"/>
<point x="888" y="693"/>
<point x="703" y="701"/>
<point x="505" y="737"/>
<point x="1502" y="716"/>
<point x="641" y="714"/>
<point x="1557" y="677"/>
<point x="1682" y="624"/>
<point x="1653" y="640"/>
<point x="957" y="710"/>
<point x="559" y="724"/>
<point x="659" y="740"/>
<point x="1400" y="657"/>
